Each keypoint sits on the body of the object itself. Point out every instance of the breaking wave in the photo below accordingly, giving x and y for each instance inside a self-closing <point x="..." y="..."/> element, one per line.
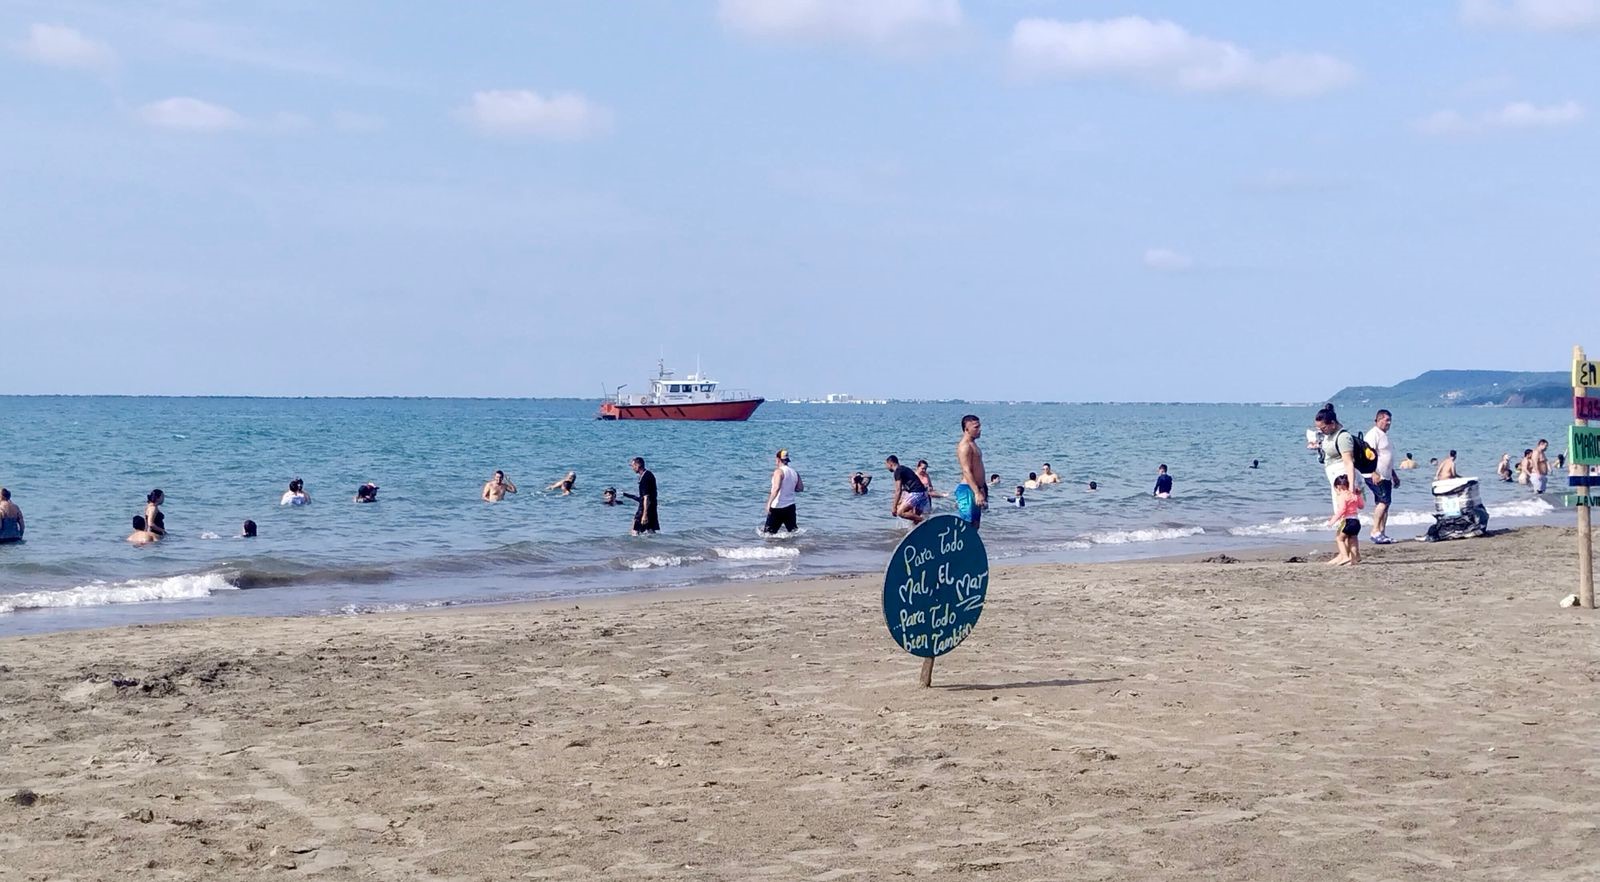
<point x="183" y="587"/>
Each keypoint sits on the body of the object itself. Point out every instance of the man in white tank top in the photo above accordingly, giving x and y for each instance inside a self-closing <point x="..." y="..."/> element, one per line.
<point x="780" y="500"/>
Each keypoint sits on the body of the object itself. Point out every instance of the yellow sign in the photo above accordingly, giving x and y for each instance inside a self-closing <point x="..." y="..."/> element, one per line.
<point x="1585" y="373"/>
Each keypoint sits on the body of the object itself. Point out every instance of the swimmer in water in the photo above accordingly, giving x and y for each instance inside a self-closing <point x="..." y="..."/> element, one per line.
<point x="498" y="487"/>
<point x="565" y="485"/>
<point x="1019" y="500"/>
<point x="152" y="512"/>
<point x="1093" y="487"/>
<point x="1048" y="477"/>
<point x="367" y="492"/>
<point x="608" y="496"/>
<point x="249" y="530"/>
<point x="296" y="494"/>
<point x="141" y="535"/>
<point x="12" y="524"/>
<point x="859" y="482"/>
<point x="1163" y="483"/>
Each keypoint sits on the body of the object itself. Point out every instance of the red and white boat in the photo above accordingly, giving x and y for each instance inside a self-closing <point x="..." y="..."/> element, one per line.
<point x="694" y="397"/>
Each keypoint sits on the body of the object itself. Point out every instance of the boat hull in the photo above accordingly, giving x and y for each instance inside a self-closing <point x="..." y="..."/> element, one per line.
<point x="712" y="411"/>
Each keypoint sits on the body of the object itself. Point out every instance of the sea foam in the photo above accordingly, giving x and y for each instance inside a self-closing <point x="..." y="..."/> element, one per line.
<point x="758" y="552"/>
<point x="1285" y="527"/>
<point x="1122" y="537"/>
<point x="1522" y="508"/>
<point x="185" y="587"/>
<point x="658" y="561"/>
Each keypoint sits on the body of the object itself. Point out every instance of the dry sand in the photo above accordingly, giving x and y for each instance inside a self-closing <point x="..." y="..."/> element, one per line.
<point x="1429" y="715"/>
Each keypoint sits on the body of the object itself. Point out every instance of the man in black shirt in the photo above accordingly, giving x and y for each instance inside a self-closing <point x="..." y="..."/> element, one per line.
<point x="910" y="494"/>
<point x="644" y="520"/>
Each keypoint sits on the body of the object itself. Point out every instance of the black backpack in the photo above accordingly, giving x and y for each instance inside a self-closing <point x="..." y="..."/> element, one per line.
<point x="1365" y="455"/>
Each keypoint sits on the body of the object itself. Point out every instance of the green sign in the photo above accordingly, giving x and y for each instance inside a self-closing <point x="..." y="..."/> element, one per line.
<point x="935" y="585"/>
<point x="1583" y="444"/>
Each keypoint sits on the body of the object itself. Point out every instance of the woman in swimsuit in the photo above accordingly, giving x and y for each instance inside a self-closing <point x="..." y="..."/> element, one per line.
<point x="565" y="485"/>
<point x="922" y="472"/>
<point x="154" y="522"/>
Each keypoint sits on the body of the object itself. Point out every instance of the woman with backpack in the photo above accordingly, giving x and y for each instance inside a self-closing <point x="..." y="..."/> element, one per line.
<point x="1338" y="452"/>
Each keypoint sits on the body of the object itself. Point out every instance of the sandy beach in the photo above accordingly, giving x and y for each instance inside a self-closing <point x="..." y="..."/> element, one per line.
<point x="1429" y="715"/>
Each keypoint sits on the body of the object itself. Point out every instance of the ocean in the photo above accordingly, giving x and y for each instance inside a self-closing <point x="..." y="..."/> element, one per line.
<point x="79" y="467"/>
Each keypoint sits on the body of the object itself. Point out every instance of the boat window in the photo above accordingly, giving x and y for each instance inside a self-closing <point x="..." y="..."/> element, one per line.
<point x="676" y="388"/>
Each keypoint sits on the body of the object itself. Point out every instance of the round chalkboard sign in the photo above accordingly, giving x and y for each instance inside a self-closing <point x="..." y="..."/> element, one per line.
<point x="934" y="587"/>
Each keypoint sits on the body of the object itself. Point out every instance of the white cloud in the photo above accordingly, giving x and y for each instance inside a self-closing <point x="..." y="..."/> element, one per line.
<point x="564" y="116"/>
<point x="61" y="46"/>
<point x="1167" y="260"/>
<point x="882" y="23"/>
<point x="1533" y="15"/>
<point x="1516" y="115"/>
<point x="190" y="115"/>
<point x="1165" y="54"/>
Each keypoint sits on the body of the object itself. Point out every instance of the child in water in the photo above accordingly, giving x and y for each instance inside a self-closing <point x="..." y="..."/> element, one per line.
<point x="1347" y="528"/>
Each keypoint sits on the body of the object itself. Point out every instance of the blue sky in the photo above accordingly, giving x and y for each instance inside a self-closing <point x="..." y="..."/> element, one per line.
<point x="1070" y="200"/>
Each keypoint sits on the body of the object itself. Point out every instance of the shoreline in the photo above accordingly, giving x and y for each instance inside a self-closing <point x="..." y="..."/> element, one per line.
<point x="1263" y="549"/>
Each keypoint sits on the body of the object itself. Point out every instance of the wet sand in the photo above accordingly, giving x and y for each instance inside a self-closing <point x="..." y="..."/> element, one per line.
<point x="1431" y="714"/>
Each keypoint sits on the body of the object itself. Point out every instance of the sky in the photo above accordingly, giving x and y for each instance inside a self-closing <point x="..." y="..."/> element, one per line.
<point x="1017" y="199"/>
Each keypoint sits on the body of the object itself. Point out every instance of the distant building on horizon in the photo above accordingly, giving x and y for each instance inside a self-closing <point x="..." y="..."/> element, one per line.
<point x="837" y="398"/>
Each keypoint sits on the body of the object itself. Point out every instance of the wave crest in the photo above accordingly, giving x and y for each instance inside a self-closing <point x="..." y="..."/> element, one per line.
<point x="757" y="552"/>
<point x="189" y="586"/>
<point x="1123" y="537"/>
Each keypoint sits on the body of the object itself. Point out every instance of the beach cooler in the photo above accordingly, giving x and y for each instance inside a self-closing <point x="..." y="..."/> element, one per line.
<point x="1458" y="511"/>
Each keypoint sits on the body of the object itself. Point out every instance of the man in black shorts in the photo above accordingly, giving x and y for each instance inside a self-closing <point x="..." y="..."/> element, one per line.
<point x="780" y="500"/>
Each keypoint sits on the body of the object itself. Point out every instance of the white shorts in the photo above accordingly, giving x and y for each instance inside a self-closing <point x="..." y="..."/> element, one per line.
<point x="1538" y="481"/>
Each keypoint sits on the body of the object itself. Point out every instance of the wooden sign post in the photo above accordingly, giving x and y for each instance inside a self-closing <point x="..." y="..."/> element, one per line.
<point x="1583" y="451"/>
<point x="934" y="588"/>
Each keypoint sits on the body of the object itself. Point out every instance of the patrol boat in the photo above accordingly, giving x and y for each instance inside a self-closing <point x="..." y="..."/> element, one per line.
<point x="693" y="397"/>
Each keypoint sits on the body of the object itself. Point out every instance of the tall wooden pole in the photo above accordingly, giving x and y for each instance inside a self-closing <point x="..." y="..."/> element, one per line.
<point x="1585" y="541"/>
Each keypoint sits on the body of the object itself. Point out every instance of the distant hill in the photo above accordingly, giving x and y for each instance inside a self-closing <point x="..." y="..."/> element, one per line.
<point x="1467" y="389"/>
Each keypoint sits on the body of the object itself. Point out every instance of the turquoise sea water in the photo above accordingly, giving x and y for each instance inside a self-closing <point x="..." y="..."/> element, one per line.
<point x="80" y="469"/>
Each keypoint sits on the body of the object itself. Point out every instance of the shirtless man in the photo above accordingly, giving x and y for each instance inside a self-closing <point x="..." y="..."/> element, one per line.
<point x="10" y="512"/>
<point x="1447" y="468"/>
<point x="1539" y="475"/>
<point x="565" y="485"/>
<point x="971" y="460"/>
<point x="1048" y="477"/>
<point x="498" y="487"/>
<point x="140" y="535"/>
